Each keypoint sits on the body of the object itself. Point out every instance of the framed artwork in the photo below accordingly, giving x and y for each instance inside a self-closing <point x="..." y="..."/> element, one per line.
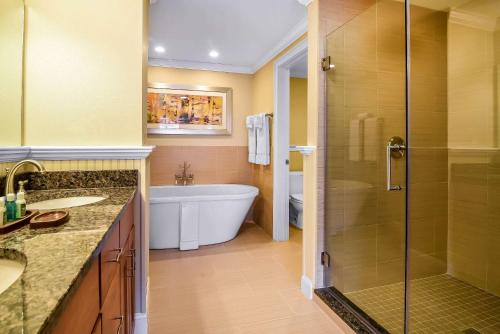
<point x="189" y="110"/>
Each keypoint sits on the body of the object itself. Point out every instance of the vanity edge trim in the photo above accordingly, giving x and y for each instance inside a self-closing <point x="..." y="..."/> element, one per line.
<point x="8" y="154"/>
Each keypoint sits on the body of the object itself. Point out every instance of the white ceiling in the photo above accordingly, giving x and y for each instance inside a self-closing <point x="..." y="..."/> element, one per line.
<point x="246" y="33"/>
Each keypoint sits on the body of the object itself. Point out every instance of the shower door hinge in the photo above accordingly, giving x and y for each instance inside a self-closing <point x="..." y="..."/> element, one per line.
<point x="325" y="259"/>
<point x="326" y="64"/>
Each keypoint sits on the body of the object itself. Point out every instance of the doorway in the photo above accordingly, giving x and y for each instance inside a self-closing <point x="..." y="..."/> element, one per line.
<point x="289" y="63"/>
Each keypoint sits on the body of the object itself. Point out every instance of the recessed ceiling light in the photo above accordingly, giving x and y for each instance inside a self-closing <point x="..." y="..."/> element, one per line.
<point x="213" y="54"/>
<point x="159" y="49"/>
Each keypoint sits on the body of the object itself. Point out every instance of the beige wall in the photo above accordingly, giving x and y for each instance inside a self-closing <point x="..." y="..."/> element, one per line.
<point x="11" y="55"/>
<point x="298" y="119"/>
<point x="84" y="72"/>
<point x="242" y="85"/>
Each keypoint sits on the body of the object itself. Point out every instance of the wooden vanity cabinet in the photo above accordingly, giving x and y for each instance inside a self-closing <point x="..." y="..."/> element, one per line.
<point x="104" y="301"/>
<point x="117" y="309"/>
<point x="82" y="310"/>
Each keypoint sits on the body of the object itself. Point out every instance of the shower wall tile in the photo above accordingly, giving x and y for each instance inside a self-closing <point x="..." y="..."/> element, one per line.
<point x="209" y="164"/>
<point x="428" y="188"/>
<point x="474" y="223"/>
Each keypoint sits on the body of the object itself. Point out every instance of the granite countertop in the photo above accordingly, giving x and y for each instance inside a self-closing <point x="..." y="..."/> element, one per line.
<point x="56" y="258"/>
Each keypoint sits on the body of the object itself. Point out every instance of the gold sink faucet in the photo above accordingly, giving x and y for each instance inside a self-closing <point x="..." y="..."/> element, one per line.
<point x="9" y="184"/>
<point x="184" y="178"/>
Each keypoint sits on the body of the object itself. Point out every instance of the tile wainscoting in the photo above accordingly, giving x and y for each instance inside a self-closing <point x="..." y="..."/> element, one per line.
<point x="217" y="164"/>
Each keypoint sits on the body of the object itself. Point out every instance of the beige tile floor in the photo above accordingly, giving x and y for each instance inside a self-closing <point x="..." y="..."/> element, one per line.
<point x="247" y="285"/>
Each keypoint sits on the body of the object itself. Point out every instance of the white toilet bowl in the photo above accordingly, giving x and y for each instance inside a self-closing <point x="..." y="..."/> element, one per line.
<point x="296" y="201"/>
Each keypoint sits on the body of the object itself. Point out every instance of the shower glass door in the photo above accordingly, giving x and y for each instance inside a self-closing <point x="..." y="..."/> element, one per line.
<point x="412" y="219"/>
<point x="366" y="180"/>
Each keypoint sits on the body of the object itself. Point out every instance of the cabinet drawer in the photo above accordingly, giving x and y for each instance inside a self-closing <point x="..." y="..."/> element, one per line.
<point x="110" y="261"/>
<point x="112" y="318"/>
<point x="80" y="315"/>
<point x="126" y="224"/>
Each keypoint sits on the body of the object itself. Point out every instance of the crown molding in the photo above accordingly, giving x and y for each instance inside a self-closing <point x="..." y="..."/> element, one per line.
<point x="473" y="20"/>
<point x="305" y="2"/>
<point x="299" y="30"/>
<point x="193" y="65"/>
<point x="296" y="32"/>
<point x="75" y="153"/>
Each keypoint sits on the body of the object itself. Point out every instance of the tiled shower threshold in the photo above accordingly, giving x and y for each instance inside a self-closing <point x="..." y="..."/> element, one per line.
<point x="438" y="304"/>
<point x="352" y="315"/>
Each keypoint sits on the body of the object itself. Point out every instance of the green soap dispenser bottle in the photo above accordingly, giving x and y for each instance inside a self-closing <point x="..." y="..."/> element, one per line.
<point x="20" y="205"/>
<point x="11" y="207"/>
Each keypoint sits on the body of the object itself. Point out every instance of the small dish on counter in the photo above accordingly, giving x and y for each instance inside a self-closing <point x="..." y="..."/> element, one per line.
<point x="49" y="219"/>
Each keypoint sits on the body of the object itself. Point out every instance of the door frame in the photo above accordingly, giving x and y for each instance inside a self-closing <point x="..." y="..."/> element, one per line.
<point x="281" y="139"/>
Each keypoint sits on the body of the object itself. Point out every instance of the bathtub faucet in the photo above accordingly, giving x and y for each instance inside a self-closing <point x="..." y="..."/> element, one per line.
<point x="184" y="178"/>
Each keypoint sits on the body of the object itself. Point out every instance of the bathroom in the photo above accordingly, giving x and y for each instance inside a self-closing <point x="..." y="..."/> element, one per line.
<point x="342" y="176"/>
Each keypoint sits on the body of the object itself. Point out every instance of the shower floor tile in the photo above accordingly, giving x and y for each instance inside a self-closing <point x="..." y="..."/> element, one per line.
<point x="438" y="304"/>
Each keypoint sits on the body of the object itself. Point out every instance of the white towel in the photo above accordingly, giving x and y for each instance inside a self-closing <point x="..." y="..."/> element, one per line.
<point x="371" y="139"/>
<point x="355" y="140"/>
<point x="189" y="226"/>
<point x="252" y="138"/>
<point x="263" y="156"/>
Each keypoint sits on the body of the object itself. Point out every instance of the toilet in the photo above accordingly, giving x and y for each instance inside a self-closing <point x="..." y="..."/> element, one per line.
<point x="296" y="199"/>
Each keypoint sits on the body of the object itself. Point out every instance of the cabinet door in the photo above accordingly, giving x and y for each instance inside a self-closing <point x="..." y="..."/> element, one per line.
<point x="126" y="223"/>
<point x="110" y="261"/>
<point x="130" y="283"/>
<point x="98" y="326"/>
<point x="82" y="310"/>
<point x="113" y="320"/>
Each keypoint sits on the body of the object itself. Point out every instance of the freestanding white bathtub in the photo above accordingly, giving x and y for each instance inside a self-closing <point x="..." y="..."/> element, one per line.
<point x="187" y="217"/>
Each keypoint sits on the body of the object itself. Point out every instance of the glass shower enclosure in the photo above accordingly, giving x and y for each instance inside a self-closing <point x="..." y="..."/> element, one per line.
<point x="412" y="213"/>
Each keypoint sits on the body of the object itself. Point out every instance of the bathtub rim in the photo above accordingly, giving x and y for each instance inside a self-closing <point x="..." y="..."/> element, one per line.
<point x="251" y="192"/>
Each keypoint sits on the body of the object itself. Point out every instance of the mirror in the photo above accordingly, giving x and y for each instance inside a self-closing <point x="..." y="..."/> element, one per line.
<point x="11" y="71"/>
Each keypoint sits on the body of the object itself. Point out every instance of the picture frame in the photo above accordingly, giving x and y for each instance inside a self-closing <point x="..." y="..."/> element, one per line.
<point x="189" y="110"/>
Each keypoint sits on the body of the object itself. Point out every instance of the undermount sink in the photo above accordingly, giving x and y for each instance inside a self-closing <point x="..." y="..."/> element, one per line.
<point x="62" y="203"/>
<point x="11" y="270"/>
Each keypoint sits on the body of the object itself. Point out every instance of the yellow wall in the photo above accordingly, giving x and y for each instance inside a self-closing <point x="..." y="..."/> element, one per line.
<point x="84" y="72"/>
<point x="242" y="104"/>
<point x="298" y="119"/>
<point x="11" y="51"/>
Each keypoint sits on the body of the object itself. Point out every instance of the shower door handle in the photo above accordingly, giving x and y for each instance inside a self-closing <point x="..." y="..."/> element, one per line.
<point x="395" y="150"/>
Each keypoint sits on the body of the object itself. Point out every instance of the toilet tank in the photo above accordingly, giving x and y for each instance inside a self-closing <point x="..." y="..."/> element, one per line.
<point x="296" y="179"/>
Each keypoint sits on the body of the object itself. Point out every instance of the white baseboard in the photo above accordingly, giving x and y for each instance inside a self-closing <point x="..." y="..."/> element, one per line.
<point x="306" y="287"/>
<point x="141" y="323"/>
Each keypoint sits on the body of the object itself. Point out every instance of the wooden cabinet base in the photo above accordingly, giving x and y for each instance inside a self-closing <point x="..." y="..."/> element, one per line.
<point x="81" y="313"/>
<point x="104" y="301"/>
